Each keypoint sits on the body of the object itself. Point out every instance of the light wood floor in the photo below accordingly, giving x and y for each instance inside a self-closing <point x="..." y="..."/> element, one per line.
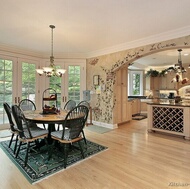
<point x="135" y="159"/>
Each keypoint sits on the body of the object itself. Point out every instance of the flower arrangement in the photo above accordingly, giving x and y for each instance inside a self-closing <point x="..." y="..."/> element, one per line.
<point x="179" y="79"/>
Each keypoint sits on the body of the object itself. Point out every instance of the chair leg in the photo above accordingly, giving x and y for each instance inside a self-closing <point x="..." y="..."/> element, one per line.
<point x="84" y="137"/>
<point x="16" y="141"/>
<point x="26" y="156"/>
<point x="44" y="126"/>
<point x="80" y="146"/>
<point x="65" y="155"/>
<point x="18" y="150"/>
<point x="11" y="140"/>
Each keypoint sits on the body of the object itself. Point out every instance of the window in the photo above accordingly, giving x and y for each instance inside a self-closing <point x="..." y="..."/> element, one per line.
<point x="135" y="83"/>
<point x="6" y="83"/>
<point x="28" y="80"/>
<point x="74" y="83"/>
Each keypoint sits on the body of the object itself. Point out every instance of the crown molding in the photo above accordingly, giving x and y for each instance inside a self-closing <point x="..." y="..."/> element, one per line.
<point x="19" y="51"/>
<point x="24" y="52"/>
<point x="172" y="34"/>
<point x="181" y="32"/>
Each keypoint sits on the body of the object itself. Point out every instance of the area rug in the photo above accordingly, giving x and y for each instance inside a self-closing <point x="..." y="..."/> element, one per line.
<point x="97" y="129"/>
<point x="139" y="117"/>
<point x="39" y="168"/>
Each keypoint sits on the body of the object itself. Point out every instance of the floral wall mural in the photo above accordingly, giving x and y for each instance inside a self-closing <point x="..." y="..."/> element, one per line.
<point x="106" y="66"/>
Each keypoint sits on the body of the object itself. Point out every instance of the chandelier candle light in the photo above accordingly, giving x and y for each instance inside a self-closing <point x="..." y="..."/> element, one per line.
<point x="179" y="76"/>
<point x="51" y="70"/>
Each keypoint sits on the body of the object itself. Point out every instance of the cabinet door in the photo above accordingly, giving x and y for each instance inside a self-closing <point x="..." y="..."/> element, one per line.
<point x="169" y="77"/>
<point x="155" y="83"/>
<point x="163" y="82"/>
<point x="136" y="106"/>
<point x="129" y="111"/>
<point x="143" y="107"/>
<point x="122" y="110"/>
<point x="152" y="83"/>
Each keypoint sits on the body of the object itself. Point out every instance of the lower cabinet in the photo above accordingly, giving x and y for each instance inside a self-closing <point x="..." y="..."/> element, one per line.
<point x="136" y="106"/>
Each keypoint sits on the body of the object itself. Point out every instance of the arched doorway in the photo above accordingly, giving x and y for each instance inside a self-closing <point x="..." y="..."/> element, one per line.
<point x="122" y="110"/>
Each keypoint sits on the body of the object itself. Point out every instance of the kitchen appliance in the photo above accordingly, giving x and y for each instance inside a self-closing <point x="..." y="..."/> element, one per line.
<point x="171" y="95"/>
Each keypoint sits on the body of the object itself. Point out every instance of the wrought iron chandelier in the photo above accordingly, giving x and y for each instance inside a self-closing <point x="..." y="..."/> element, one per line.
<point x="51" y="70"/>
<point x="179" y="69"/>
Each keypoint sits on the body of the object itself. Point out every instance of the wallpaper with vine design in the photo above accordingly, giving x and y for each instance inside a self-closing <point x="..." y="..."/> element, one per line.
<point x="104" y="103"/>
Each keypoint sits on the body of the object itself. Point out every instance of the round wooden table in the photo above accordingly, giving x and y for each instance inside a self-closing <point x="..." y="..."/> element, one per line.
<point x="38" y="117"/>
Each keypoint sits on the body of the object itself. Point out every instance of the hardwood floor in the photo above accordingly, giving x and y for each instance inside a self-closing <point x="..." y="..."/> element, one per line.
<point x="135" y="159"/>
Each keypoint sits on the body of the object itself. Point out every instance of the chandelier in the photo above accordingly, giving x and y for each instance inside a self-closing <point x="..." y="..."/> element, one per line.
<point x="178" y="67"/>
<point x="51" y="70"/>
<point x="179" y="70"/>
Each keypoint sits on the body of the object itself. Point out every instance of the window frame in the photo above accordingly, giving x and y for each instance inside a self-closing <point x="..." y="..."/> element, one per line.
<point x="130" y="81"/>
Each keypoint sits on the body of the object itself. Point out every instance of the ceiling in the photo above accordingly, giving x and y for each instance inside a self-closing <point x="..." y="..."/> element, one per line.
<point x="90" y="27"/>
<point x="162" y="59"/>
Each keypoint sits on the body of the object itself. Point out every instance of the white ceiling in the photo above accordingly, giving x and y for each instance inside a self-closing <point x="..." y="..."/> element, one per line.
<point x="88" y="26"/>
<point x="162" y="59"/>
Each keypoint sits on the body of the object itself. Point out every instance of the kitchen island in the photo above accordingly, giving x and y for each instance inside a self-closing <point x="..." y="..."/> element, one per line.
<point x="173" y="118"/>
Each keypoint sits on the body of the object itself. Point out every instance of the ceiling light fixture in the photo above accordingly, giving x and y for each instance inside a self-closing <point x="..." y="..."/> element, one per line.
<point x="178" y="67"/>
<point x="51" y="70"/>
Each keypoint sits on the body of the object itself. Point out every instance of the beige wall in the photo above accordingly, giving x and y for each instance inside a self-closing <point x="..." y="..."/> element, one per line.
<point x="102" y="65"/>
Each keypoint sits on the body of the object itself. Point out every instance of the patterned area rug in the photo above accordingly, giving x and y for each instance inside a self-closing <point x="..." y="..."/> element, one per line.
<point x="139" y="116"/>
<point x="38" y="167"/>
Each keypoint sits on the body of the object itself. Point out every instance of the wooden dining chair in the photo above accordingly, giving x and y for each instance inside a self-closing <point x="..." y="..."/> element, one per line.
<point x="85" y="103"/>
<point x="13" y="128"/>
<point x="30" y="134"/>
<point x="76" y="119"/>
<point x="27" y="104"/>
<point x="70" y="105"/>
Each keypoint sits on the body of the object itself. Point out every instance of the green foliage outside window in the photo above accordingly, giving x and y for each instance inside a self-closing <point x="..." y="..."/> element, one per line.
<point x="136" y="84"/>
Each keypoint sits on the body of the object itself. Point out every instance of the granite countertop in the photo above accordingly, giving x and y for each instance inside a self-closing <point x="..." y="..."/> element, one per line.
<point x="167" y="103"/>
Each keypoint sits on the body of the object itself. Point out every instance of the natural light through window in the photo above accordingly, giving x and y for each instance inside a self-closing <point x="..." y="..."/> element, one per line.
<point x="135" y="83"/>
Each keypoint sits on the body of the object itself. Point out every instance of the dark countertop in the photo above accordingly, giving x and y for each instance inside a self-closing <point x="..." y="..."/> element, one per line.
<point x="140" y="97"/>
<point x="181" y="104"/>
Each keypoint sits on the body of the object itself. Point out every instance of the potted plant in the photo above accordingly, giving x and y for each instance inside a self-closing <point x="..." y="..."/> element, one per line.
<point x="152" y="73"/>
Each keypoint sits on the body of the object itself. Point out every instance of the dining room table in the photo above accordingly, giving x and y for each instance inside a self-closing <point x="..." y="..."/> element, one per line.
<point x="50" y="119"/>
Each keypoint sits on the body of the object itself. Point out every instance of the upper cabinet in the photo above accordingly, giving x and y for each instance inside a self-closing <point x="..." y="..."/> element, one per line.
<point x="152" y="83"/>
<point x="166" y="82"/>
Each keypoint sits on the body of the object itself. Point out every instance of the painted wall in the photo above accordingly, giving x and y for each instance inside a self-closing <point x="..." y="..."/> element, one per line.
<point x="105" y="66"/>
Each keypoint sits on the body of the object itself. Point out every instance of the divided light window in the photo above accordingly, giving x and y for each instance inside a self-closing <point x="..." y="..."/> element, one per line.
<point x="74" y="83"/>
<point x="135" y="83"/>
<point x="74" y="79"/>
<point x="6" y="84"/>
